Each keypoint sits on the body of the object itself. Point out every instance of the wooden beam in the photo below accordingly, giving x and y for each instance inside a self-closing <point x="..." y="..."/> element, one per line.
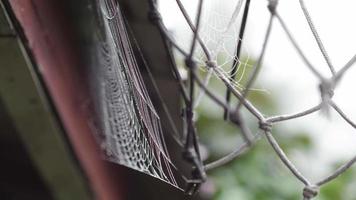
<point x="35" y="122"/>
<point x="49" y="38"/>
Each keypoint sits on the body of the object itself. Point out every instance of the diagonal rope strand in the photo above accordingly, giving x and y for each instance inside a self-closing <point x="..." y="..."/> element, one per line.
<point x="316" y="36"/>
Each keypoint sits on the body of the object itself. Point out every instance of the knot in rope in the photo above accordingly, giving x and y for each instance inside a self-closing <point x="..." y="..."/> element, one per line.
<point x="154" y="16"/>
<point x="234" y="118"/>
<point x="272" y="6"/>
<point x="326" y="88"/>
<point x="310" y="191"/>
<point x="210" y="64"/>
<point x="189" y="112"/>
<point x="190" y="63"/>
<point x="265" y="126"/>
<point x="190" y="155"/>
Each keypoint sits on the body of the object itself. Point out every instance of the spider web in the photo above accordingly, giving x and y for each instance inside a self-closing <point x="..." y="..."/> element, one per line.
<point x="131" y="131"/>
<point x="219" y="31"/>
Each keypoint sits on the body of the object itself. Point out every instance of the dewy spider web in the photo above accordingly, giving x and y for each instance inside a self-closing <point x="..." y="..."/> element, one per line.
<point x="219" y="32"/>
<point x="327" y="87"/>
<point x="131" y="130"/>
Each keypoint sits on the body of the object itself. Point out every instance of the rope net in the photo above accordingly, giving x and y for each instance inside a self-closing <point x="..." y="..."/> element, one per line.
<point x="132" y="134"/>
<point x="219" y="33"/>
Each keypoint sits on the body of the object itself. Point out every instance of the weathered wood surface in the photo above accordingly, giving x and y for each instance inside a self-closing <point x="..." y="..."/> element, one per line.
<point x="29" y="116"/>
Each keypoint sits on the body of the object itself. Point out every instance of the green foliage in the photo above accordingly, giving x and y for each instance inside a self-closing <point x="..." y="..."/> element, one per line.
<point x="340" y="187"/>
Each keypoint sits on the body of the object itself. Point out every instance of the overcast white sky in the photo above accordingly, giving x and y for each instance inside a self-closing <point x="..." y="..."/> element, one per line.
<point x="283" y="70"/>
